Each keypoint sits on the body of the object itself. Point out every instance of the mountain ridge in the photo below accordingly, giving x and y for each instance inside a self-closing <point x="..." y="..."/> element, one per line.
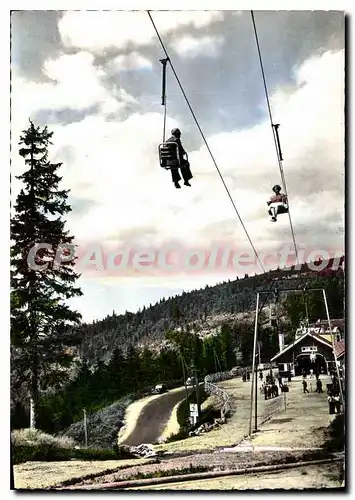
<point x="212" y="306"/>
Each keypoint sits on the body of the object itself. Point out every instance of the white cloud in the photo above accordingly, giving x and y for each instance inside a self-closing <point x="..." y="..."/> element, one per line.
<point x="188" y="46"/>
<point x="100" y="30"/>
<point x="306" y="115"/>
<point x="115" y="165"/>
<point x="129" y="62"/>
<point x="75" y="84"/>
<point x="132" y="191"/>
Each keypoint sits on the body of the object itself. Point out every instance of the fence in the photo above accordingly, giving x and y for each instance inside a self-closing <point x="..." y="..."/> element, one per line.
<point x="222" y="395"/>
<point x="213" y="389"/>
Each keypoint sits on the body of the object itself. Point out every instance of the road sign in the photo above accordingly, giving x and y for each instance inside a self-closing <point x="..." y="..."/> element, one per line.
<point x="193" y="410"/>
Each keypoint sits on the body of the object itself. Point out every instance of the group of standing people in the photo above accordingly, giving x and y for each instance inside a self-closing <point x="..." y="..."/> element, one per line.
<point x="270" y="390"/>
<point x="334" y="403"/>
<point x="319" y="386"/>
<point x="333" y="396"/>
<point x="269" y="387"/>
<point x="333" y="393"/>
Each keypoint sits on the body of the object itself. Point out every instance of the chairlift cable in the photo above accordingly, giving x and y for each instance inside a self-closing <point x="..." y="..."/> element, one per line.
<point x="274" y="128"/>
<point x="205" y="140"/>
<point x="164" y="126"/>
<point x="163" y="94"/>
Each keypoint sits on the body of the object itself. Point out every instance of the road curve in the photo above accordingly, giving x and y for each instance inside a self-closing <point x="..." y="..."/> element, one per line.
<point x="154" y="417"/>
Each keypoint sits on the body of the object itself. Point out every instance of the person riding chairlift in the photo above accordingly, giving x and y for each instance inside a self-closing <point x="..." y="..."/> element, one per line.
<point x="277" y="203"/>
<point x="184" y="166"/>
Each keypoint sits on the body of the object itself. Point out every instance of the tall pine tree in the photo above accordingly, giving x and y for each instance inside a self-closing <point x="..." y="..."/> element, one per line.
<point x="42" y="322"/>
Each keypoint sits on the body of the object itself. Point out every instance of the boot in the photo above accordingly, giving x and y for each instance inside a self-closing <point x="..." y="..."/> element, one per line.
<point x="177" y="185"/>
<point x="186" y="183"/>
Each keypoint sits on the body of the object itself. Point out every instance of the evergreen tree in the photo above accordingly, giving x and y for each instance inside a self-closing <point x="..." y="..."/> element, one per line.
<point x="198" y="354"/>
<point x="168" y="365"/>
<point x="294" y="308"/>
<point x="41" y="321"/>
<point x="176" y="314"/>
<point x="227" y="347"/>
<point x="269" y="340"/>
<point x="116" y="369"/>
<point x="209" y="358"/>
<point x="132" y="374"/>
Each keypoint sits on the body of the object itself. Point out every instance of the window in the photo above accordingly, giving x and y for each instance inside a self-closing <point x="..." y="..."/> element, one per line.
<point x="309" y="349"/>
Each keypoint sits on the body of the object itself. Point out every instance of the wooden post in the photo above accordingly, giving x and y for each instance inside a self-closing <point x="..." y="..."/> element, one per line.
<point x="32" y="414"/>
<point x="197" y="394"/>
<point x="184" y="375"/>
<point x="253" y="369"/>
<point x="12" y="479"/>
<point x="85" y="428"/>
<point x="256" y="398"/>
<point x="334" y="353"/>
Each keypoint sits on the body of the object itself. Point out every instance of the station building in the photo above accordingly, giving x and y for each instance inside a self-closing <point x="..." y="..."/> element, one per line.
<point x="312" y="349"/>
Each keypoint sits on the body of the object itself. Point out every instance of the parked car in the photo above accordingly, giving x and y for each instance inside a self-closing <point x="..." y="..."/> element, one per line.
<point x="190" y="381"/>
<point x="159" y="389"/>
<point x="236" y="370"/>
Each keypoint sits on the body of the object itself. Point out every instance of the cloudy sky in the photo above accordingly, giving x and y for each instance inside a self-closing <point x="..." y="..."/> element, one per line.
<point x="95" y="79"/>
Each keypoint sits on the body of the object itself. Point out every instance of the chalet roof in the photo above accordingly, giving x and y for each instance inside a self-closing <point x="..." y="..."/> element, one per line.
<point x="323" y="323"/>
<point x="339" y="348"/>
<point x="322" y="327"/>
<point x="307" y="334"/>
<point x="326" y="336"/>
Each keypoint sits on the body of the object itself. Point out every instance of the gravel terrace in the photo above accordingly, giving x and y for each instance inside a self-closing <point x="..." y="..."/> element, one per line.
<point x="319" y="476"/>
<point x="301" y="425"/>
<point x="212" y="461"/>
<point x="31" y="475"/>
<point x="303" y="422"/>
<point x="238" y="425"/>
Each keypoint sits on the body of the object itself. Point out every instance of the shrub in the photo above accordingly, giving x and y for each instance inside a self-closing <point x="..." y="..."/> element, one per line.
<point x="102" y="426"/>
<point x="192" y="469"/>
<point x="182" y="434"/>
<point x="33" y="445"/>
<point x="36" y="438"/>
<point x="49" y="453"/>
<point x="335" y="434"/>
<point x="183" y="413"/>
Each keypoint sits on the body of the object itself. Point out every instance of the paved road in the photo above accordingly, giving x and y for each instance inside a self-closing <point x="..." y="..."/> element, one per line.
<point x="154" y="418"/>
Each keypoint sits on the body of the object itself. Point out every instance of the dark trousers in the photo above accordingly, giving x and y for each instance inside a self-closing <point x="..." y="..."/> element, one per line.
<point x="185" y="172"/>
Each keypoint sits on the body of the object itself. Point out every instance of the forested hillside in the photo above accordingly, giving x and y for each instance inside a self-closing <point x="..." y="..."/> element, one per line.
<point x="204" y="311"/>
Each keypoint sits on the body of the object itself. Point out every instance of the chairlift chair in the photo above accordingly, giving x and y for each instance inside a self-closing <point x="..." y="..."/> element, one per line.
<point x="169" y="157"/>
<point x="282" y="209"/>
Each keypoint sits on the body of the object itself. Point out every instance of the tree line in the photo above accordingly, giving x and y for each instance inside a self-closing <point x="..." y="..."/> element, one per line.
<point x="199" y="308"/>
<point x="134" y="372"/>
